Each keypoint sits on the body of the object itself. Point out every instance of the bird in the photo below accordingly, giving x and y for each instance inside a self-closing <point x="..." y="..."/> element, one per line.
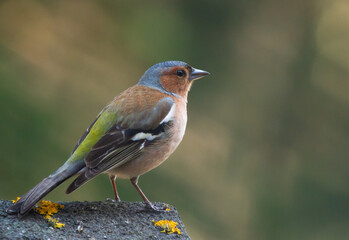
<point x="136" y="132"/>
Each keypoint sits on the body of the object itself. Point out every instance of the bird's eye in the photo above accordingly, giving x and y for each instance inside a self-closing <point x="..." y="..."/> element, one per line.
<point x="180" y="73"/>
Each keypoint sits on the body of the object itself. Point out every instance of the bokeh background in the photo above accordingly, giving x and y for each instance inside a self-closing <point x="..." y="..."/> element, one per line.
<point x="265" y="155"/>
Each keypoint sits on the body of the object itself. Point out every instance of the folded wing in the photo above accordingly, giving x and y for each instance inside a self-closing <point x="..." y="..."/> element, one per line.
<point x="126" y="139"/>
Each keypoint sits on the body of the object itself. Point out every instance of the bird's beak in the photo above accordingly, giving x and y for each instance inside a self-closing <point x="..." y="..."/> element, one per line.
<point x="197" y="73"/>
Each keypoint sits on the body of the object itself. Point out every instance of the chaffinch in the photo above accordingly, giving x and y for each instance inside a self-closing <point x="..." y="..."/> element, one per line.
<point x="133" y="134"/>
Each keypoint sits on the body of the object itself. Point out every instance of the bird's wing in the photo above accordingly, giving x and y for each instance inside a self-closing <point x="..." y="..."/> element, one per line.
<point x="82" y="138"/>
<point x="125" y="140"/>
<point x="104" y="121"/>
<point x="130" y="133"/>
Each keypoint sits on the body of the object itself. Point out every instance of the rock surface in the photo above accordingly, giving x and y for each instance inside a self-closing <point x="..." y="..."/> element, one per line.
<point x="91" y="221"/>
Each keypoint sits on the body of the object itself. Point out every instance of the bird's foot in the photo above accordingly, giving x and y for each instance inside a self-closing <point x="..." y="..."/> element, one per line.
<point x="114" y="200"/>
<point x="164" y="208"/>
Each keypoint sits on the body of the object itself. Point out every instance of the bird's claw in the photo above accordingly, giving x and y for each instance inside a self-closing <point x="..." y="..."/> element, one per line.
<point x="114" y="200"/>
<point x="164" y="208"/>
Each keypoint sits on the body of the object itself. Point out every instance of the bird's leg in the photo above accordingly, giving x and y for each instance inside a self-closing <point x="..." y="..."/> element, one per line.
<point x="134" y="182"/>
<point x="112" y="180"/>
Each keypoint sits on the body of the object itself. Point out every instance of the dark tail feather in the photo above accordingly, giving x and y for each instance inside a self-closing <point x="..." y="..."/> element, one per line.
<point x="28" y="200"/>
<point x="84" y="177"/>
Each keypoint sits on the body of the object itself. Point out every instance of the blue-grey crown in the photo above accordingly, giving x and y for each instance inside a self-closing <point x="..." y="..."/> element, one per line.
<point x="151" y="77"/>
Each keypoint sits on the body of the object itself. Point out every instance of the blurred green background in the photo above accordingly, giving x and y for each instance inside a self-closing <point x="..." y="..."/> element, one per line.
<point x="265" y="155"/>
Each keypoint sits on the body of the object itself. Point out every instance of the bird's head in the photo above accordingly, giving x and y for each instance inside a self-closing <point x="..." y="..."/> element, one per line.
<point x="172" y="77"/>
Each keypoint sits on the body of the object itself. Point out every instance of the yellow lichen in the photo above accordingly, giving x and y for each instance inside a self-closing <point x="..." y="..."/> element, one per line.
<point x="167" y="226"/>
<point x="167" y="207"/>
<point x="54" y="222"/>
<point x="13" y="201"/>
<point x="49" y="208"/>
